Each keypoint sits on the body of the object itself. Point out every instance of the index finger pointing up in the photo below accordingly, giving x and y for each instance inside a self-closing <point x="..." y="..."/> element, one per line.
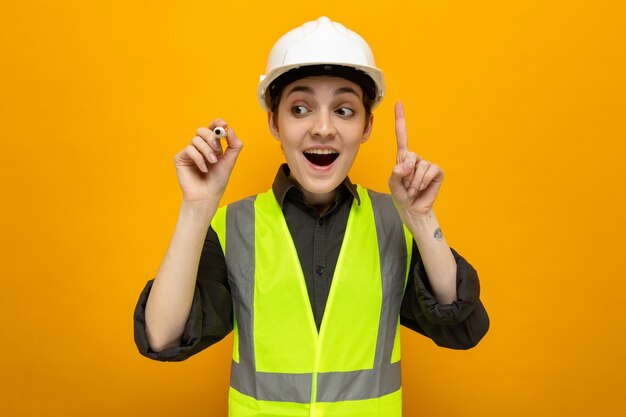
<point x="401" y="136"/>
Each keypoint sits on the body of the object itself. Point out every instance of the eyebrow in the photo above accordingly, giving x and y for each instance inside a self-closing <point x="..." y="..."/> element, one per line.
<point x="344" y="90"/>
<point x="309" y="90"/>
<point x="301" y="88"/>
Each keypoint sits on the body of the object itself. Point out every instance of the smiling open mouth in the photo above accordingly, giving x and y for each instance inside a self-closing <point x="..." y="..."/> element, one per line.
<point x="321" y="157"/>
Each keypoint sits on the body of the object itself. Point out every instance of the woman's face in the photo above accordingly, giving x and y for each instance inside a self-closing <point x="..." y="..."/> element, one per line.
<point x="321" y="125"/>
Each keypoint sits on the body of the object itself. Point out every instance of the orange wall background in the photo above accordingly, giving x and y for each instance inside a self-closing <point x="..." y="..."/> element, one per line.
<point x="520" y="102"/>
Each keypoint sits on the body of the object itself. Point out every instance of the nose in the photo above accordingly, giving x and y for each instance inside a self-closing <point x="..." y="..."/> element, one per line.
<point x="322" y="125"/>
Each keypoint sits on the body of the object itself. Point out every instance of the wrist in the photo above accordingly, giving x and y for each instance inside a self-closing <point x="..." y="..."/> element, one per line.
<point x="425" y="228"/>
<point x="199" y="205"/>
<point x="421" y="221"/>
<point x="198" y="210"/>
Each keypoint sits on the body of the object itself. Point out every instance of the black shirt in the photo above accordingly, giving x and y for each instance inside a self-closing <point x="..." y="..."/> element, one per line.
<point x="318" y="239"/>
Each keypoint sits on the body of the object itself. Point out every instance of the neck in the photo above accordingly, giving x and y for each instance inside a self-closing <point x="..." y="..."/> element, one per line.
<point x="321" y="202"/>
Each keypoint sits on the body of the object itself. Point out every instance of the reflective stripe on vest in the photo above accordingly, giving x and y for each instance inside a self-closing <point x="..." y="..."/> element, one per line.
<point x="278" y="355"/>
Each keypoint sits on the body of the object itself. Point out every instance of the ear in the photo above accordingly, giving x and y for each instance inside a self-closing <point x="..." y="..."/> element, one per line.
<point x="368" y="129"/>
<point x="272" y="125"/>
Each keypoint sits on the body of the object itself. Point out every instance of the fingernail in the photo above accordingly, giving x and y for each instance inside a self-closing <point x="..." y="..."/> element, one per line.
<point x="212" y="158"/>
<point x="412" y="191"/>
<point x="422" y="186"/>
<point x="408" y="165"/>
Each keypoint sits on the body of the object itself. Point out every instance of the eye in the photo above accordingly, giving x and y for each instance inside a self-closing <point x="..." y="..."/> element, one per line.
<point x="344" y="111"/>
<point x="299" y="110"/>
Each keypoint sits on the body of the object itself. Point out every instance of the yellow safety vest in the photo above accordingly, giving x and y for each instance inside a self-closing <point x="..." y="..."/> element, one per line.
<point x="281" y="365"/>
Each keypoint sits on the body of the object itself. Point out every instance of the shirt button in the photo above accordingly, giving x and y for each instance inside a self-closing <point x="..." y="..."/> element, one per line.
<point x="319" y="269"/>
<point x="320" y="222"/>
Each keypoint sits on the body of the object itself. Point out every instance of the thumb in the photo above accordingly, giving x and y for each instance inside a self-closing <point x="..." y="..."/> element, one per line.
<point x="397" y="175"/>
<point x="234" y="143"/>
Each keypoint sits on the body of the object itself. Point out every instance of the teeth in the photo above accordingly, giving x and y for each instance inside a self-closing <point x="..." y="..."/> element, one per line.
<point x="321" y="151"/>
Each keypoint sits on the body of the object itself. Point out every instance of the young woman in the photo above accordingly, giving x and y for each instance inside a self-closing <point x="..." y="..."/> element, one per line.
<point x="315" y="275"/>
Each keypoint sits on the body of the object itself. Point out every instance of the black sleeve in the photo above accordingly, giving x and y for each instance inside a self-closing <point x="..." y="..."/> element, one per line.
<point x="210" y="318"/>
<point x="459" y="325"/>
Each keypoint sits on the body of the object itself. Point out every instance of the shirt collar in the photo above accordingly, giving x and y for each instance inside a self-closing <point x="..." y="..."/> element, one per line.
<point x="282" y="184"/>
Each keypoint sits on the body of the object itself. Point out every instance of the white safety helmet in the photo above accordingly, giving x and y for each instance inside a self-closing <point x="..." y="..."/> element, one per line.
<point x="322" y="47"/>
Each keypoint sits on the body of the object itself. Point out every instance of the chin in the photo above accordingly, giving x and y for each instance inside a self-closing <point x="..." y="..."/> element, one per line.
<point x="320" y="186"/>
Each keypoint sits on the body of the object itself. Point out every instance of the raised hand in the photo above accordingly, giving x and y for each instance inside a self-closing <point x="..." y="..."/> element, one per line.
<point x="414" y="182"/>
<point x="203" y="167"/>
